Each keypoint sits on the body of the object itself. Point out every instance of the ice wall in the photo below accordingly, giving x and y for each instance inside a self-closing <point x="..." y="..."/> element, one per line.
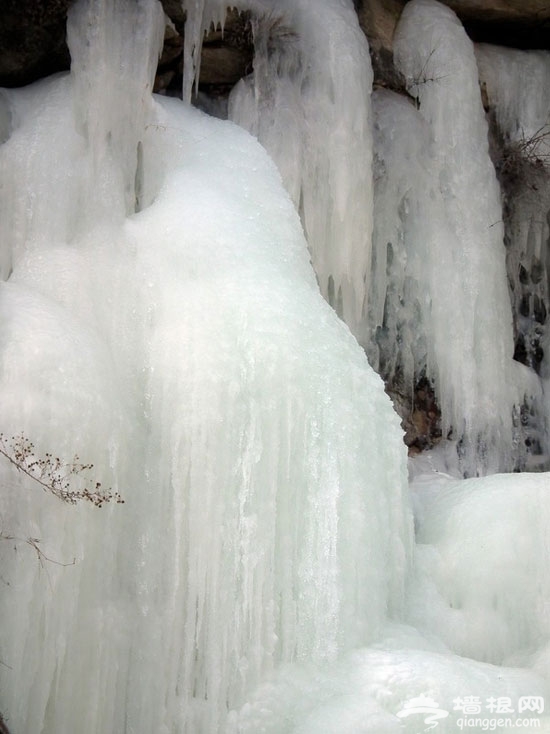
<point x="160" y="318"/>
<point x="517" y="85"/>
<point x="408" y="298"/>
<point x="440" y="300"/>
<point x="478" y="600"/>
<point x="179" y="342"/>
<point x="308" y="103"/>
<point x="93" y="176"/>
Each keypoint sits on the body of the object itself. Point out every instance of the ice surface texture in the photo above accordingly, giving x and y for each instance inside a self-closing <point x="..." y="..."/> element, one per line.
<point x="162" y="320"/>
<point x="160" y="317"/>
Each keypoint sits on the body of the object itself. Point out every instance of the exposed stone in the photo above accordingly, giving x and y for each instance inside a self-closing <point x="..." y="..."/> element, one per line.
<point x="420" y="418"/>
<point x="172" y="48"/>
<point x="174" y="10"/>
<point x="32" y="37"/>
<point x="164" y="81"/>
<point x="378" y="19"/>
<point x="32" y="40"/>
<point x="515" y="23"/>
<point x="227" y="57"/>
<point x="222" y="64"/>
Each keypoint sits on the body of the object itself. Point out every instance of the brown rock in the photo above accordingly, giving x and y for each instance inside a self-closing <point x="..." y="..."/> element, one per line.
<point x="420" y="415"/>
<point x="223" y="65"/>
<point x="378" y="19"/>
<point x="32" y="40"/>
<point x="497" y="11"/>
<point x="515" y="23"/>
<point x="32" y="36"/>
<point x="227" y="56"/>
<point x="174" y="11"/>
<point x="172" y="48"/>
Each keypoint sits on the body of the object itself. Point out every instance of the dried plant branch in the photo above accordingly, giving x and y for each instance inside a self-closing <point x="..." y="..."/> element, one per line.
<point x="54" y="474"/>
<point x="521" y="159"/>
<point x="34" y="543"/>
<point x="423" y="77"/>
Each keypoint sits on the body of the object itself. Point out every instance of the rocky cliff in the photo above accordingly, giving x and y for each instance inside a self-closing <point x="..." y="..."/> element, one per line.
<point x="32" y="37"/>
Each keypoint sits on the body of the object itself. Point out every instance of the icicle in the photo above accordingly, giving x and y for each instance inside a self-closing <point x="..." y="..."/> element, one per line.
<point x="57" y="201"/>
<point x="517" y="84"/>
<point x="112" y="115"/>
<point x="309" y="106"/>
<point x="478" y="395"/>
<point x="200" y="16"/>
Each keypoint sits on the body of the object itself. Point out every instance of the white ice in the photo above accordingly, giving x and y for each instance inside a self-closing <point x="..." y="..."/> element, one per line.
<point x="517" y="84"/>
<point x="308" y="102"/>
<point x="160" y="317"/>
<point x="439" y="237"/>
<point x="177" y="339"/>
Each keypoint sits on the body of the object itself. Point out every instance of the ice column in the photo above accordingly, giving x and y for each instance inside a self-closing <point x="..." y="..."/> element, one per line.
<point x="410" y="232"/>
<point x="517" y="84"/>
<point x="200" y="15"/>
<point x="114" y="48"/>
<point x="54" y="199"/>
<point x="308" y="103"/>
<point x="470" y="338"/>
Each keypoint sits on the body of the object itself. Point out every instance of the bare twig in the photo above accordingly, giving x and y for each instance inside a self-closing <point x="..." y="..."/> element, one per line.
<point x="53" y="474"/>
<point x="40" y="555"/>
<point x="520" y="158"/>
<point x="33" y="542"/>
<point x="422" y="76"/>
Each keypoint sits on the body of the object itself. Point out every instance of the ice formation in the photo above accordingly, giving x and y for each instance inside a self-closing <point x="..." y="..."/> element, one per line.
<point x="165" y="323"/>
<point x="313" y="75"/>
<point x="161" y="319"/>
<point x="479" y="545"/>
<point x="517" y="84"/>
<point x="438" y="236"/>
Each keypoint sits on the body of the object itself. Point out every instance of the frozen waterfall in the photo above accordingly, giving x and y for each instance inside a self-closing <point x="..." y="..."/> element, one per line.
<point x="188" y="305"/>
<point x="438" y="237"/>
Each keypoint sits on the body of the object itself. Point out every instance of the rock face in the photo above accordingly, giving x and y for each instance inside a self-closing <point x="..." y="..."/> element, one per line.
<point x="32" y="40"/>
<point x="226" y="57"/>
<point x="420" y="418"/>
<point x="32" y="45"/>
<point x="32" y="37"/>
<point x="378" y="19"/>
<point x="516" y="23"/>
